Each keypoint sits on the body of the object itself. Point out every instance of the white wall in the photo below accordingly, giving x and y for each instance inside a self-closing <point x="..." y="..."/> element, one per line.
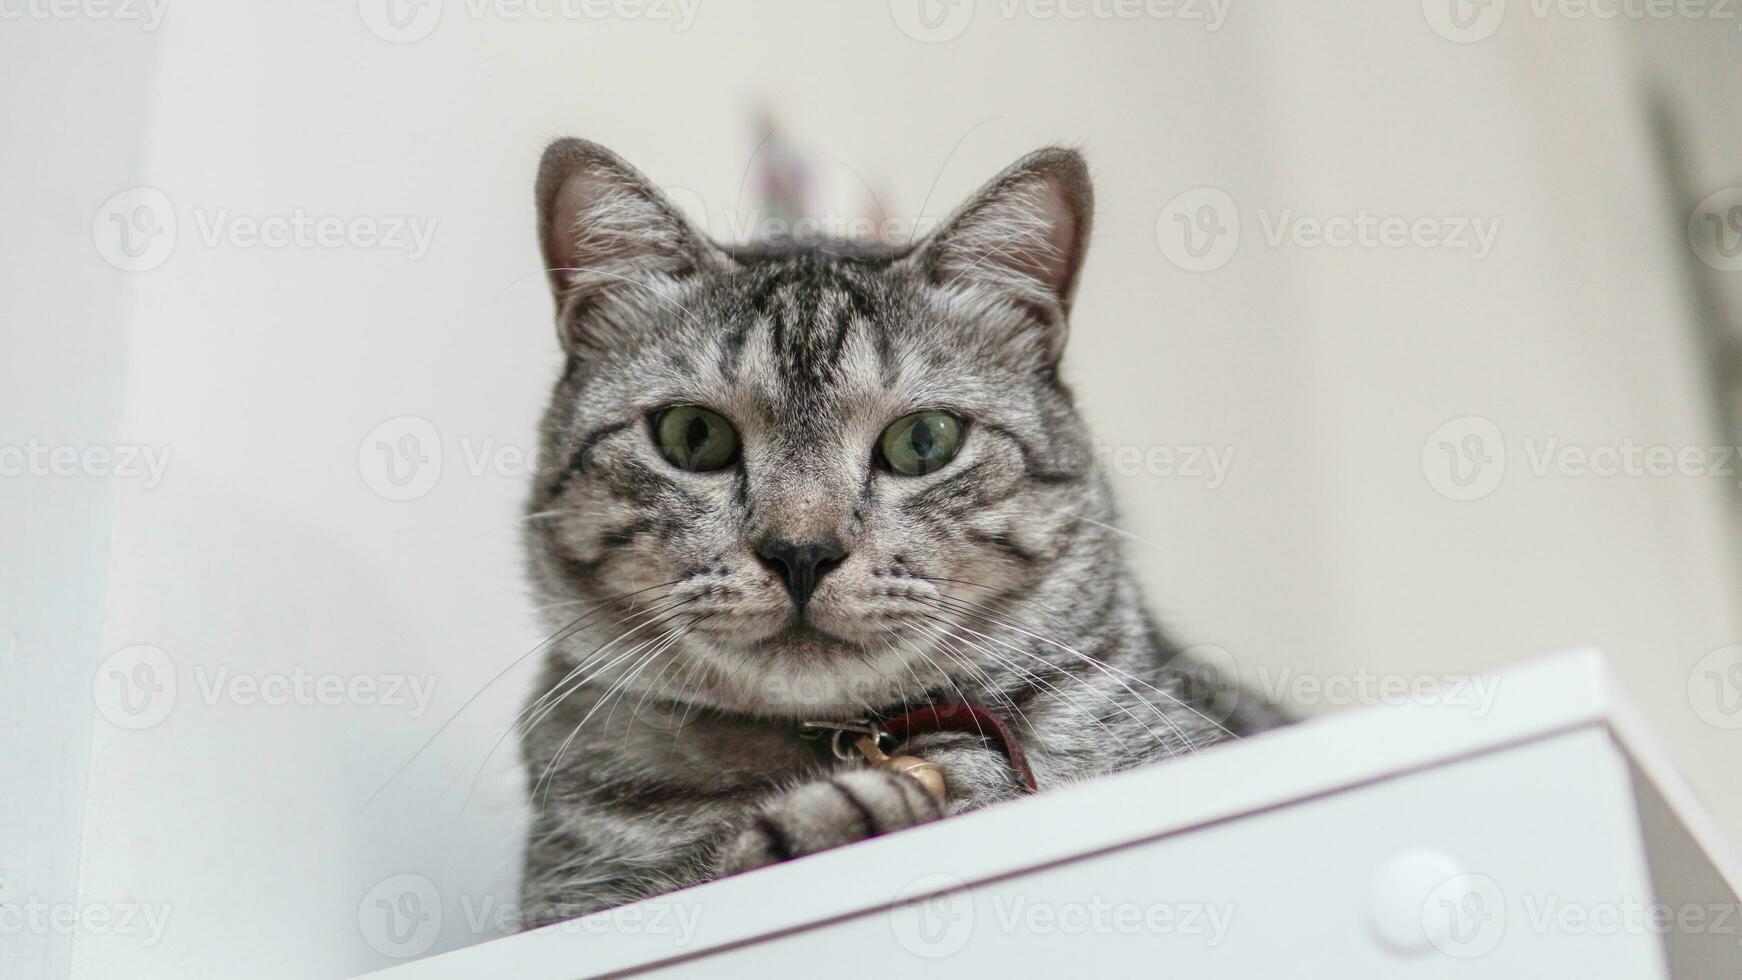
<point x="1327" y="551"/>
<point x="61" y="363"/>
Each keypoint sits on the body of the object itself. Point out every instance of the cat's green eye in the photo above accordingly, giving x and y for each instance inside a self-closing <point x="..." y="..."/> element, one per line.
<point x="694" y="438"/>
<point x="921" y="443"/>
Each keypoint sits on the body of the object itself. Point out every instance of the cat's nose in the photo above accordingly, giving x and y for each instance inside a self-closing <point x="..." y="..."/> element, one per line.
<point x="801" y="564"/>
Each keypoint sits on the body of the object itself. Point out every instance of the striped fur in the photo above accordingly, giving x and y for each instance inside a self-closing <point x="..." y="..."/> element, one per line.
<point x="662" y="744"/>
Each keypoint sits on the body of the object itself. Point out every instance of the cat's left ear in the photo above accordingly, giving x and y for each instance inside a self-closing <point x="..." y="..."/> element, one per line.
<point x="1022" y="237"/>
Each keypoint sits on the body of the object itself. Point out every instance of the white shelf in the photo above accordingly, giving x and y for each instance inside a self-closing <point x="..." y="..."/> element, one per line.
<point x="1386" y="842"/>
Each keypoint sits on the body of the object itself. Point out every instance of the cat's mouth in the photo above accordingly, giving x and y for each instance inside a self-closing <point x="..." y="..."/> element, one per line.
<point x="797" y="637"/>
<point x="801" y="632"/>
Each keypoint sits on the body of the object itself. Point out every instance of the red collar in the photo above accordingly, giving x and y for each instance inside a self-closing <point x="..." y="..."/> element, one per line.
<point x="946" y="716"/>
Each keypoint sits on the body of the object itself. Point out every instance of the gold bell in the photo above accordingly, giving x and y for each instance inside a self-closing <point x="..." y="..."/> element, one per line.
<point x="929" y="775"/>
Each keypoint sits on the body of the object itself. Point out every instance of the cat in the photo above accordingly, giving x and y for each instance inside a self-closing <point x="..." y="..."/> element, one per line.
<point x="817" y="481"/>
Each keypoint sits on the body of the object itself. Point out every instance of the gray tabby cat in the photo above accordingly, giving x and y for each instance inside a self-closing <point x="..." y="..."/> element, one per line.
<point x="828" y="482"/>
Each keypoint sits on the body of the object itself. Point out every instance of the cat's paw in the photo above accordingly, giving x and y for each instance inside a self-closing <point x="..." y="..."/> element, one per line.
<point x="844" y="808"/>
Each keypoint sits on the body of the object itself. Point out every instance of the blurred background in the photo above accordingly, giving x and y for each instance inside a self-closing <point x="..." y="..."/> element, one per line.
<point x="1410" y="331"/>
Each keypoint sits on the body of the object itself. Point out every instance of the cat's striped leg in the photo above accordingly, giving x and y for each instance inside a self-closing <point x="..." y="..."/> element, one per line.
<point x="847" y="807"/>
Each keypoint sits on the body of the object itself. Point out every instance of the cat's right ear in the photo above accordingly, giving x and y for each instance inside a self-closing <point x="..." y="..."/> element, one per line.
<point x="603" y="226"/>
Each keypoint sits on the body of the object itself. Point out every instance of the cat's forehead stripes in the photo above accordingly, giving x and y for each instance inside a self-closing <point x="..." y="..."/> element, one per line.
<point x="796" y="319"/>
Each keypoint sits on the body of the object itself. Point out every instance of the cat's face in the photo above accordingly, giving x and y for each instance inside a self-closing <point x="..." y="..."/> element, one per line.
<point x="803" y="465"/>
